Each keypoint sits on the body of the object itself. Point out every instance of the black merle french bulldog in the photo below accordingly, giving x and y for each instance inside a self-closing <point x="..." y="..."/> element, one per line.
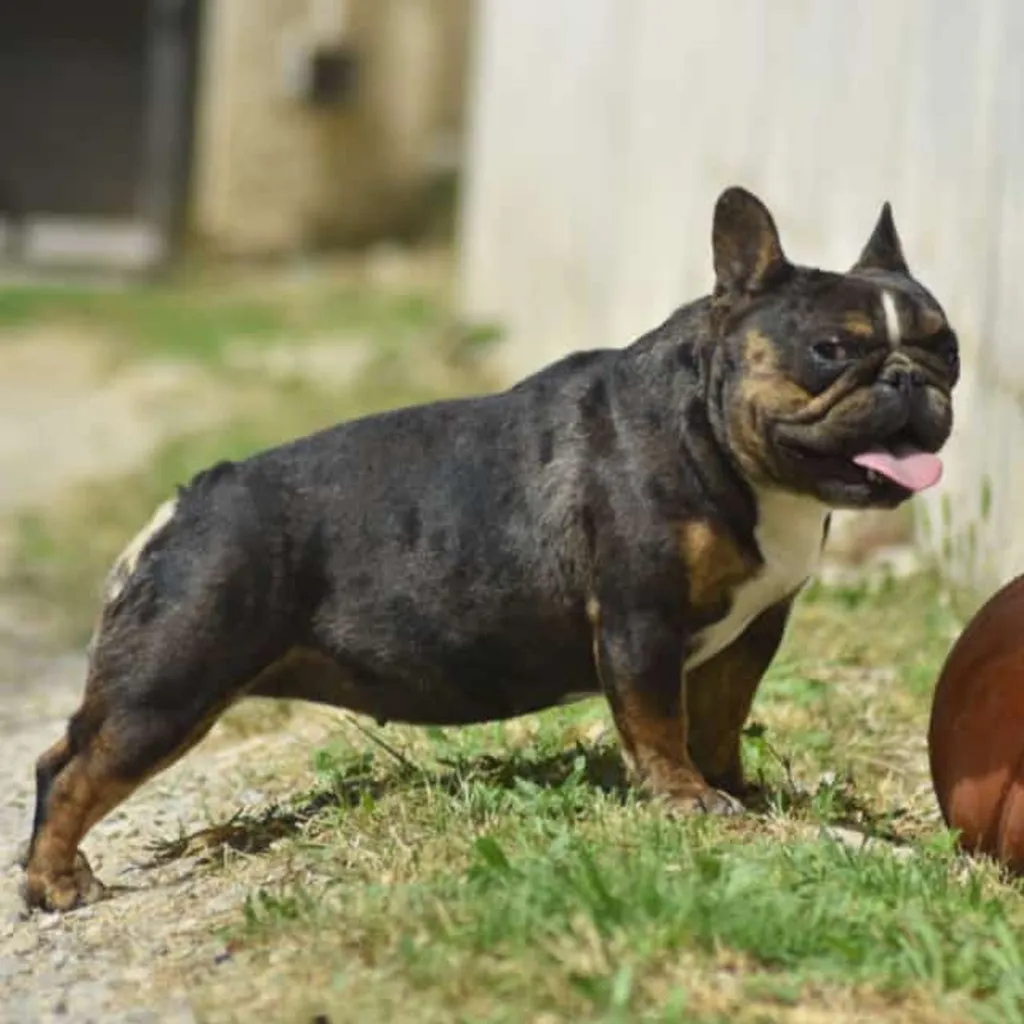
<point x="633" y="523"/>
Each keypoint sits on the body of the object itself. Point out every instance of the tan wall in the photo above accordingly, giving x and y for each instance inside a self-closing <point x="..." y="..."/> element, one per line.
<point x="275" y="174"/>
<point x="603" y="130"/>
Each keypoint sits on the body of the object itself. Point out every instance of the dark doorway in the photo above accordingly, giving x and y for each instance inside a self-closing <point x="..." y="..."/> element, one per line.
<point x="96" y="112"/>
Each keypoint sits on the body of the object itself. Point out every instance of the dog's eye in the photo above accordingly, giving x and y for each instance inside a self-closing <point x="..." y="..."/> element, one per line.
<point x="950" y="353"/>
<point x="830" y="350"/>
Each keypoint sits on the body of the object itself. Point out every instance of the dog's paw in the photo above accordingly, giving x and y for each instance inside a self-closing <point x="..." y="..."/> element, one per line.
<point x="703" y="801"/>
<point x="62" y="890"/>
<point x="717" y="801"/>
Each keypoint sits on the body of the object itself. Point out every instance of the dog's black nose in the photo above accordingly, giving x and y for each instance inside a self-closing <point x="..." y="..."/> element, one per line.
<point x="903" y="378"/>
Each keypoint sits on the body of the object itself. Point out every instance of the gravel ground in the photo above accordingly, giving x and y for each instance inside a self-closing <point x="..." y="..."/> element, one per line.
<point x="54" y="968"/>
<point x="112" y="961"/>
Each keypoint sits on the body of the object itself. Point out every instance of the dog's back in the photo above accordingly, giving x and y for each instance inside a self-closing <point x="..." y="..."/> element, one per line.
<point x="438" y="554"/>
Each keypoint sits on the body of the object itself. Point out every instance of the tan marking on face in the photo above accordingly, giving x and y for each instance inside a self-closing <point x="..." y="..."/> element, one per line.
<point x="126" y="563"/>
<point x="766" y="397"/>
<point x="765" y="383"/>
<point x="892" y="318"/>
<point x="759" y="353"/>
<point x="764" y="394"/>
<point x="714" y="564"/>
<point x="749" y="440"/>
<point x="859" y="323"/>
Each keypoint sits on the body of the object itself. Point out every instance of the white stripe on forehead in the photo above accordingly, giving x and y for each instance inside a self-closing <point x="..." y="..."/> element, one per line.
<point x="892" y="318"/>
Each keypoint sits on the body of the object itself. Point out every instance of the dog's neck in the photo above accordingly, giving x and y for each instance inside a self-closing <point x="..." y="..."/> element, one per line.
<point x="686" y="373"/>
<point x="669" y="385"/>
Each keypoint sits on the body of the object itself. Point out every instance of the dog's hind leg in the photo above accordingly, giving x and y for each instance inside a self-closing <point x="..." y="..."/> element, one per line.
<point x="190" y="620"/>
<point x="108" y="751"/>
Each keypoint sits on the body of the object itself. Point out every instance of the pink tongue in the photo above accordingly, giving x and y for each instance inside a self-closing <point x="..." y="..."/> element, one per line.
<point x="910" y="468"/>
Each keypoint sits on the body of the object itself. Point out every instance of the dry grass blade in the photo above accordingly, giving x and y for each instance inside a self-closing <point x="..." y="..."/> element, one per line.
<point x="377" y="740"/>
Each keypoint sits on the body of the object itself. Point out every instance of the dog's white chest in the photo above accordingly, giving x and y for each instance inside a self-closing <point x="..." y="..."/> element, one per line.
<point x="789" y="534"/>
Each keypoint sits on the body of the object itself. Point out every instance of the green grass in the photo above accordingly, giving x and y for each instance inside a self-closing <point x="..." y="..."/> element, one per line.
<point x="199" y="320"/>
<point x="508" y="873"/>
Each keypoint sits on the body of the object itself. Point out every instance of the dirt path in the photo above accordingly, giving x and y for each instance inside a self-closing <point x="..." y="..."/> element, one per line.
<point x="65" y="417"/>
<point x="100" y="963"/>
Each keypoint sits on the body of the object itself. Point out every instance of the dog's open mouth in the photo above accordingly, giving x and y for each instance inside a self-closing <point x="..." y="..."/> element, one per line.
<point x="903" y="463"/>
<point x="898" y="462"/>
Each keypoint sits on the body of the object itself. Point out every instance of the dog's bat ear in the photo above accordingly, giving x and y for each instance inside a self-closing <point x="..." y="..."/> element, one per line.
<point x="884" y="250"/>
<point x="747" y="251"/>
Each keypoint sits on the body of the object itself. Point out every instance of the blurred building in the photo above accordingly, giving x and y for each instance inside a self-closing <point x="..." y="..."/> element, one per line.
<point x="252" y="127"/>
<point x="603" y="130"/>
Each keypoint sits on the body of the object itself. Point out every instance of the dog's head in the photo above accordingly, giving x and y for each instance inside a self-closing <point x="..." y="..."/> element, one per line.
<point x="834" y="385"/>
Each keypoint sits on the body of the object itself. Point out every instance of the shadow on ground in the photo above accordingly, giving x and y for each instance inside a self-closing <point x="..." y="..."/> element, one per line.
<point x="352" y="785"/>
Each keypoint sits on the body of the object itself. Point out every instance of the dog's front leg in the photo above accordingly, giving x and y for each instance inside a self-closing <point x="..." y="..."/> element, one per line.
<point x="639" y="660"/>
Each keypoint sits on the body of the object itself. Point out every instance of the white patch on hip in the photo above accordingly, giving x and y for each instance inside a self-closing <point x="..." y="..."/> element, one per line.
<point x="127" y="561"/>
<point x="790" y="534"/>
<point x="892" y="318"/>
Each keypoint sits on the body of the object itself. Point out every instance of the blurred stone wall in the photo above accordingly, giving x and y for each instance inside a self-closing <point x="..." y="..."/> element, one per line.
<point x="274" y="172"/>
